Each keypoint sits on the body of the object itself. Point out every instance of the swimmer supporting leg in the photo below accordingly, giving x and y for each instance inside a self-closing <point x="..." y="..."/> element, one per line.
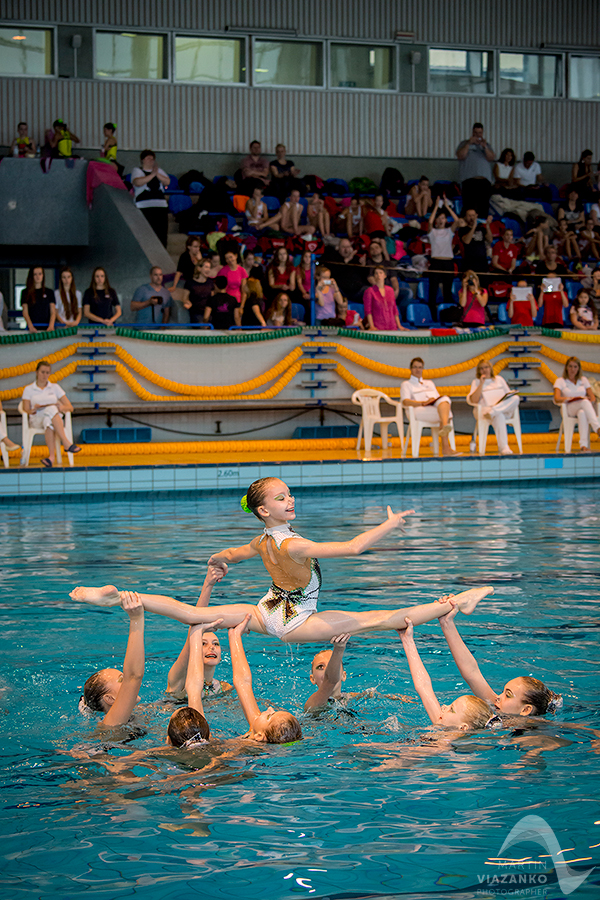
<point x="321" y="626"/>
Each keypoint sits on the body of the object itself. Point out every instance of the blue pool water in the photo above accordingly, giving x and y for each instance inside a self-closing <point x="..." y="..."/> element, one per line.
<point x="363" y="806"/>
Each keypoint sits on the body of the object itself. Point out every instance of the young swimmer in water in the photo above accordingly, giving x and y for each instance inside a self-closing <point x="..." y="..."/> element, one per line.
<point x="464" y="713"/>
<point x="271" y="726"/>
<point x="328" y="673"/>
<point x="522" y="696"/>
<point x="211" y="647"/>
<point x="113" y="692"/>
<point x="188" y="726"/>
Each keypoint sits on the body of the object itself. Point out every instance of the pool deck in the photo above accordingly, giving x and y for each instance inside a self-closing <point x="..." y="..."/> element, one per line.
<point x="170" y="469"/>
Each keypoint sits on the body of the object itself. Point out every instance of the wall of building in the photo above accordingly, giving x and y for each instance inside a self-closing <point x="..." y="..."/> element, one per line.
<point x="330" y="123"/>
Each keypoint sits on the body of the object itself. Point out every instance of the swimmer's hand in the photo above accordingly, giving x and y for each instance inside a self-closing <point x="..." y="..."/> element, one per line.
<point x="447" y="620"/>
<point x="209" y="626"/>
<point x="340" y="641"/>
<point x="396" y="520"/>
<point x="243" y="627"/>
<point x="132" y="604"/>
<point x="215" y="573"/>
<point x="407" y="634"/>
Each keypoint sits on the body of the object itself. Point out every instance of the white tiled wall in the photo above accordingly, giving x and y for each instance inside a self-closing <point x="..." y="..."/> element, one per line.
<point x="15" y="484"/>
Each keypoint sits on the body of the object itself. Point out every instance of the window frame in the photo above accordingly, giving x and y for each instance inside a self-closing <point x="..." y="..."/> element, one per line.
<point x="289" y="40"/>
<point x="466" y="48"/>
<point x="53" y="51"/>
<point x="558" y="54"/>
<point x="225" y="36"/>
<point x="374" y="44"/>
<point x="165" y="33"/>
<point x="579" y="55"/>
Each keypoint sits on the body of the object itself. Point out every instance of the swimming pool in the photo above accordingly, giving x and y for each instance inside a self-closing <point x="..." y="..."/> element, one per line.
<point x="363" y="806"/>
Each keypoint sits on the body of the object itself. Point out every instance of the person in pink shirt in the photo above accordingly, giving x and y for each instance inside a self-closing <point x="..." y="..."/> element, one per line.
<point x="473" y="299"/>
<point x="235" y="274"/>
<point x="381" y="311"/>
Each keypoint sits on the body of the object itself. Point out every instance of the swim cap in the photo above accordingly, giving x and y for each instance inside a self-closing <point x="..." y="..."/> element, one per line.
<point x="244" y="504"/>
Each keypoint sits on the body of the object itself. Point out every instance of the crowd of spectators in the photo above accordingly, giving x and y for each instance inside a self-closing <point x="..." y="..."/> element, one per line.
<point x="501" y="227"/>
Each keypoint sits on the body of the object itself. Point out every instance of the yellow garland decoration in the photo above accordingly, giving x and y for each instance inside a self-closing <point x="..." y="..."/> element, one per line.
<point x="580" y="336"/>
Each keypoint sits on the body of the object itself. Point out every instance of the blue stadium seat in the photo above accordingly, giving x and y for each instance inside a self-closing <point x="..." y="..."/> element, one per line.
<point x="272" y="204"/>
<point x="539" y="316"/>
<point x="179" y="202"/>
<point x="298" y="312"/>
<point x="503" y="318"/>
<point x="423" y="289"/>
<point x="571" y="287"/>
<point x="418" y="315"/>
<point x="336" y="187"/>
<point x="196" y="187"/>
<point x="512" y="223"/>
<point x="359" y="308"/>
<point x="567" y="316"/>
<point x="456" y="286"/>
<point x="173" y="187"/>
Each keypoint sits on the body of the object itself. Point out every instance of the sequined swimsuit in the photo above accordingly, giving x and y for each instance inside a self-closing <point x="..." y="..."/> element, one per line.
<point x="284" y="610"/>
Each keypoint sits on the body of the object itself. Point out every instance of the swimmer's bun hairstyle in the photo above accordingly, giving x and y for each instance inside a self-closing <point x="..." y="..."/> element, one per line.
<point x="256" y="495"/>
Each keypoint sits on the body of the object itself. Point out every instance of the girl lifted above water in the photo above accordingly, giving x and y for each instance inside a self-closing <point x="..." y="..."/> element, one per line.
<point x="289" y="609"/>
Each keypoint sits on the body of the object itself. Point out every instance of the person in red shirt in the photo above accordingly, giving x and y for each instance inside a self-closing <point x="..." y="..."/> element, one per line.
<point x="553" y="301"/>
<point x="505" y="254"/>
<point x="522" y="312"/>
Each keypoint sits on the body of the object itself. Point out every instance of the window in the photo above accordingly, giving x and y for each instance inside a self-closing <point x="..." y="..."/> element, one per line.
<point x="530" y="75"/>
<point x="210" y="60"/>
<point x="289" y="63"/>
<point x="584" y="78"/>
<point x="460" y="71"/>
<point x="361" y="66"/>
<point x="26" y="51"/>
<point x="127" y="55"/>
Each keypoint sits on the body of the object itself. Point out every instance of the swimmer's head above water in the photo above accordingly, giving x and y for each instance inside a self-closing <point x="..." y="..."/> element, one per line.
<point x="317" y="670"/>
<point x="270" y="501"/>
<point x="187" y="726"/>
<point x="526" y="696"/>
<point x="275" y="727"/>
<point x="101" y="689"/>
<point x="466" y="713"/>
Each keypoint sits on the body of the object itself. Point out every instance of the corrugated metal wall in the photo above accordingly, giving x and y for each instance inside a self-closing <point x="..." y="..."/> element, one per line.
<point x="213" y="119"/>
<point x="524" y="23"/>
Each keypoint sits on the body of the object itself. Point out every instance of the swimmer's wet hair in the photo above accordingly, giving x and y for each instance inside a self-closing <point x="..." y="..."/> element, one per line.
<point x="94" y="691"/>
<point x="284" y="732"/>
<point x="187" y="724"/>
<point x="478" y="712"/>
<point x="256" y="495"/>
<point x="541" y="698"/>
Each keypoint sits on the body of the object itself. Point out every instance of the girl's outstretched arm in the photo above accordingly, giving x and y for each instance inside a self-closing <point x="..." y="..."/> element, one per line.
<point x="332" y="675"/>
<point x="234" y="554"/>
<point x="420" y="676"/>
<point x="301" y="548"/>
<point x="133" y="664"/>
<point x="242" y="676"/>
<point x="464" y="659"/>
<point x="177" y="672"/>
<point x="194" y="681"/>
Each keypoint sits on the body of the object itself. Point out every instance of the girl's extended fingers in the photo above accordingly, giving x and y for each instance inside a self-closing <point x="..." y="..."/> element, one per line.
<point x="213" y="625"/>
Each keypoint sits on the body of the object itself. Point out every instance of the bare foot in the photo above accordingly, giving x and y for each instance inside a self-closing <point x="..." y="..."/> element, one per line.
<point x="104" y="596"/>
<point x="468" y="600"/>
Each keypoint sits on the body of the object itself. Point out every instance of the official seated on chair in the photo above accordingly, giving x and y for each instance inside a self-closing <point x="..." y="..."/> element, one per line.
<point x="494" y="404"/>
<point x="430" y="409"/>
<point x="573" y="393"/>
<point x="45" y="404"/>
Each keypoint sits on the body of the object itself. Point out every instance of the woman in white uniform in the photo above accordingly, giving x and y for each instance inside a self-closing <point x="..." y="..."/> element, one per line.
<point x="575" y="390"/>
<point x="45" y="404"/>
<point x="488" y="392"/>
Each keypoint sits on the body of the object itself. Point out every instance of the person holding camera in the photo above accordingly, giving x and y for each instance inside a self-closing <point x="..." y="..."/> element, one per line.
<point x="152" y="303"/>
<point x="475" y="158"/>
<point x="473" y="300"/>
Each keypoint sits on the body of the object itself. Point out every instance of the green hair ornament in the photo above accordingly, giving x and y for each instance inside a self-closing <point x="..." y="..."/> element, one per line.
<point x="244" y="504"/>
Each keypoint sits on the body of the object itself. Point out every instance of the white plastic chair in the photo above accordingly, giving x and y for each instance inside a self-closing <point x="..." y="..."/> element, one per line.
<point x="3" y="449"/>
<point x="483" y="425"/>
<point x="370" y="399"/>
<point x="29" y="434"/>
<point x="415" y="430"/>
<point x="567" y="427"/>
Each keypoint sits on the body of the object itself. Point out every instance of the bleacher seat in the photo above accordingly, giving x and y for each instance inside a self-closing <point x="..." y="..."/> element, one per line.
<point x="512" y="223"/>
<point x="196" y="187"/>
<point x="272" y="204"/>
<point x="503" y="318"/>
<point x="173" y="187"/>
<point x="423" y="289"/>
<point x="179" y="202"/>
<point x="418" y="315"/>
<point x="298" y="312"/>
<point x="571" y="287"/>
<point x="359" y="308"/>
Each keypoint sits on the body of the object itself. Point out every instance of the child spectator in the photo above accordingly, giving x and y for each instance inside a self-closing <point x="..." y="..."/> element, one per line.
<point x="588" y="241"/>
<point x="37" y="301"/>
<point x="281" y="273"/>
<point x="419" y="200"/>
<point x="377" y="222"/>
<point x="304" y="277"/>
<point x="318" y="216"/>
<point x="565" y="241"/>
<point x="505" y="254"/>
<point x="109" y="147"/>
<point x="291" y="213"/>
<point x="327" y="295"/>
<point x="473" y="300"/>
<point x="522" y="311"/>
<point x="256" y="211"/>
<point x="253" y="268"/>
<point x="68" y="300"/>
<point x="222" y="309"/>
<point x="235" y="275"/>
<point x="253" y="307"/>
<point x="280" y="313"/>
<point x="22" y="145"/>
<point x="553" y="299"/>
<point x="584" y="315"/>
<point x="442" y="253"/>
<point x="62" y="140"/>
<point x="352" y="217"/>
